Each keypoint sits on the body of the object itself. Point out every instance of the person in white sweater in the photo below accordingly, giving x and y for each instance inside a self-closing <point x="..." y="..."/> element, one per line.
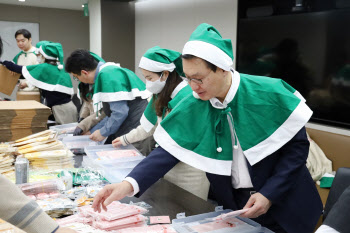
<point x="162" y="69"/>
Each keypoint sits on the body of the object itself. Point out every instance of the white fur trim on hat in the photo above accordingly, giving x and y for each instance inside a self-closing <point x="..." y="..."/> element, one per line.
<point x="208" y="52"/>
<point x="45" y="55"/>
<point x="154" y="66"/>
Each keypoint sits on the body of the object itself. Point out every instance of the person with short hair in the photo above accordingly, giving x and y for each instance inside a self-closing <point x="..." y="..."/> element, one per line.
<point x="87" y="116"/>
<point x="246" y="132"/>
<point x="116" y="90"/>
<point x="21" y="211"/>
<point x="55" y="84"/>
<point x="27" y="55"/>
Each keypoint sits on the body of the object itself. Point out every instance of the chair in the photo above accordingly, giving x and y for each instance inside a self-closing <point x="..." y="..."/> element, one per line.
<point x="340" y="183"/>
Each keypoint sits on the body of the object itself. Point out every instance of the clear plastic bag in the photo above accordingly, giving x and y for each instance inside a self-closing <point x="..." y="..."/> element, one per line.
<point x="120" y="211"/>
<point x="120" y="222"/>
<point x="149" y="229"/>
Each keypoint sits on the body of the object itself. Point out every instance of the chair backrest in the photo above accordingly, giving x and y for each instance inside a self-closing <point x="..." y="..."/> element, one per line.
<point x="340" y="183"/>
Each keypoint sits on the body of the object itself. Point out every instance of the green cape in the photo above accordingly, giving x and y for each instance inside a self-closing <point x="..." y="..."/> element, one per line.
<point x="266" y="114"/>
<point x="48" y="77"/>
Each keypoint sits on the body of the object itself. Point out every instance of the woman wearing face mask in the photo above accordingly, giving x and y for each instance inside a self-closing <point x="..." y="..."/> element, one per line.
<point x="54" y="83"/>
<point x="162" y="69"/>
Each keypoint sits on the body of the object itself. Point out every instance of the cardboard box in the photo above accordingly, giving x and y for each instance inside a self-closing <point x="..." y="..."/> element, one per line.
<point x="19" y="119"/>
<point x="28" y="95"/>
<point x="8" y="80"/>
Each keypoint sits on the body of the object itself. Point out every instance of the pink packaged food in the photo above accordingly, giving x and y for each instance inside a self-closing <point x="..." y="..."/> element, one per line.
<point x="120" y="211"/>
<point x="231" y="214"/>
<point x="86" y="220"/>
<point x="85" y="211"/>
<point x="67" y="220"/>
<point x="149" y="229"/>
<point x="41" y="196"/>
<point x="119" y="222"/>
<point x="219" y="224"/>
<point x="134" y="225"/>
<point x="159" y="219"/>
<point x="117" y="154"/>
<point x="32" y="197"/>
<point x="55" y="195"/>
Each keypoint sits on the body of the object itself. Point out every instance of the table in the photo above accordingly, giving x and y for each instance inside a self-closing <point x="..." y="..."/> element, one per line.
<point x="167" y="198"/>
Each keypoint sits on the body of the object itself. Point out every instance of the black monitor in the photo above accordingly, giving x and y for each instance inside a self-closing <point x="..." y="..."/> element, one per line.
<point x="310" y="50"/>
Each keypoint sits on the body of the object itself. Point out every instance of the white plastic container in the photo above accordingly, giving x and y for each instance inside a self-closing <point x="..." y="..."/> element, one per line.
<point x="115" y="174"/>
<point x="77" y="143"/>
<point x="65" y="129"/>
<point x="94" y="153"/>
<point x="206" y="221"/>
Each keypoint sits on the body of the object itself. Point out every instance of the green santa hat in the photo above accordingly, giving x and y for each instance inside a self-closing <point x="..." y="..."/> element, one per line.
<point x="40" y="43"/>
<point x="52" y="51"/>
<point x="207" y="43"/>
<point x="157" y="59"/>
<point x="97" y="57"/>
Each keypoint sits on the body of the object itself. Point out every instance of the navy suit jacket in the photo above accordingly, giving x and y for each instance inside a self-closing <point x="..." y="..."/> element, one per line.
<point x="282" y="177"/>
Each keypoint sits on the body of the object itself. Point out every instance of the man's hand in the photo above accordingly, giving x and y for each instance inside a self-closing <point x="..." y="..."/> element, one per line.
<point x="23" y="85"/>
<point x="110" y="193"/>
<point x="258" y="205"/>
<point x="117" y="142"/>
<point x="96" y="136"/>
<point x="65" y="230"/>
<point x="87" y="133"/>
<point x="77" y="131"/>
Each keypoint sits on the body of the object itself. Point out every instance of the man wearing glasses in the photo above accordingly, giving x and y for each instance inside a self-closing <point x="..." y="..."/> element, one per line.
<point x="246" y="132"/>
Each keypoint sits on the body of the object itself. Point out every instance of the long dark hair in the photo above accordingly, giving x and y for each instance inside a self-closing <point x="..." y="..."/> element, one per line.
<point x="84" y="89"/>
<point x="162" y="99"/>
<point x="50" y="61"/>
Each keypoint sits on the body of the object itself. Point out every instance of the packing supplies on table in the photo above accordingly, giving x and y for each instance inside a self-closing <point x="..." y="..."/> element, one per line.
<point x="209" y="222"/>
<point x="56" y="207"/>
<point x="77" y="143"/>
<point x="115" y="163"/>
<point x="108" y="225"/>
<point x="65" y="128"/>
<point x="149" y="229"/>
<point x="48" y="187"/>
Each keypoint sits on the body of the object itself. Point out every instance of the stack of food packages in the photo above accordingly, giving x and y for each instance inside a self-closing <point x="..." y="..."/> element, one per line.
<point x="57" y="197"/>
<point x="7" y="158"/>
<point x="118" y="218"/>
<point x="44" y="151"/>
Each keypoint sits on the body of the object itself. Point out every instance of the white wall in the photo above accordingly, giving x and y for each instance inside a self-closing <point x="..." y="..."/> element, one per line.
<point x="95" y="23"/>
<point x="170" y="23"/>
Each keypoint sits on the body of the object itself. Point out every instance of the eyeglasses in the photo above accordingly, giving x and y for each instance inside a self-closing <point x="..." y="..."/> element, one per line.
<point x="75" y="78"/>
<point x="196" y="80"/>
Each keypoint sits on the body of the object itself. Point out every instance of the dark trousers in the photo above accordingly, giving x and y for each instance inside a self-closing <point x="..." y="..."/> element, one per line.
<point x="266" y="220"/>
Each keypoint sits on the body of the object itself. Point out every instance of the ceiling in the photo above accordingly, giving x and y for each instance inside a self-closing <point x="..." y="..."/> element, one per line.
<point x="60" y="4"/>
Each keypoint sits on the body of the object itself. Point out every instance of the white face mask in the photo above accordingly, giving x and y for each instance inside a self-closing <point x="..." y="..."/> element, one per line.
<point x="40" y="59"/>
<point x="156" y="86"/>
